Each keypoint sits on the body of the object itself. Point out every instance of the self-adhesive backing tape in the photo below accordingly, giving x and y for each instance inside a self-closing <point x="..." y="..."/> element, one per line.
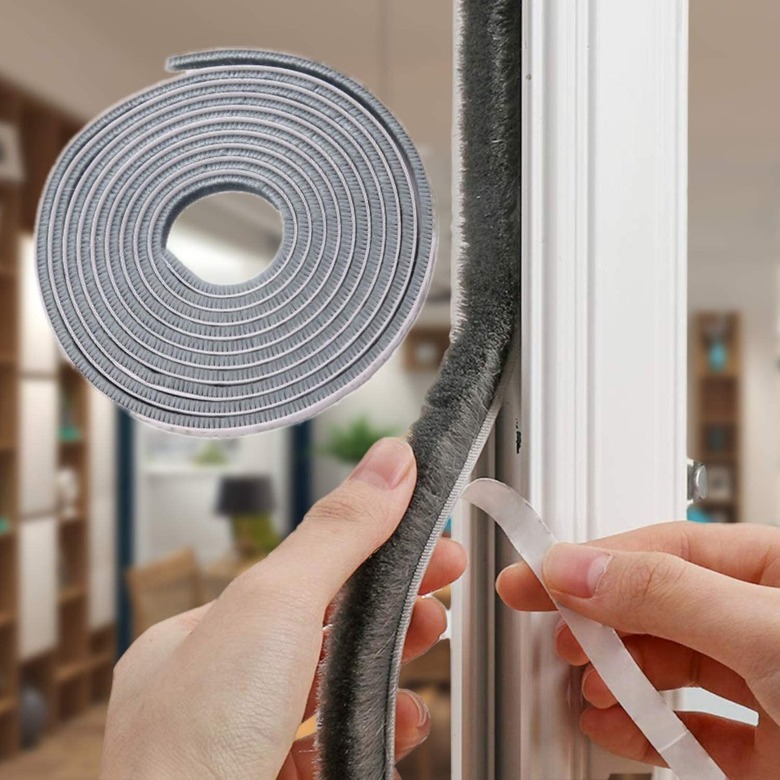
<point x="347" y="282"/>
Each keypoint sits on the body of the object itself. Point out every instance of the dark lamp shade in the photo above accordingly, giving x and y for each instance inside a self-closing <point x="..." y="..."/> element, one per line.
<point x="245" y="496"/>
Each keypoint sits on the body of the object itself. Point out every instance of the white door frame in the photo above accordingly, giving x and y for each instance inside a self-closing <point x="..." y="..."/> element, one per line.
<point x="601" y="395"/>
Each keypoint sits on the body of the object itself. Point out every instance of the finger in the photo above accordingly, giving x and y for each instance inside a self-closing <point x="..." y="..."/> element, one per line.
<point x="567" y="647"/>
<point x="726" y="548"/>
<point x="447" y="564"/>
<point x="314" y="693"/>
<point x="287" y="594"/>
<point x="339" y="532"/>
<point x="519" y="588"/>
<point x="301" y="763"/>
<point x="662" y="595"/>
<point x="428" y="623"/>
<point x="412" y="723"/>
<point x="728" y="742"/>
<point x="669" y="666"/>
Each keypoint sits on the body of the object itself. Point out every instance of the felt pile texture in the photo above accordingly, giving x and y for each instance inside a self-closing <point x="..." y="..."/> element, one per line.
<point x="347" y="282"/>
<point x="360" y="678"/>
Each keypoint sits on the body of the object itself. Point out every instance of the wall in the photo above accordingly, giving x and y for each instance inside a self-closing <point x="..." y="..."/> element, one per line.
<point x="390" y="399"/>
<point x="748" y="285"/>
<point x="175" y="504"/>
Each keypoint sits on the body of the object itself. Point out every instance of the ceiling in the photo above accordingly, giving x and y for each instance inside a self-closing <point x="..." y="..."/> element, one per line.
<point x="87" y="54"/>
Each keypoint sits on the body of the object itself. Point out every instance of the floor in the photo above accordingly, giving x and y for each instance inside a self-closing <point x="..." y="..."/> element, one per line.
<point x="72" y="753"/>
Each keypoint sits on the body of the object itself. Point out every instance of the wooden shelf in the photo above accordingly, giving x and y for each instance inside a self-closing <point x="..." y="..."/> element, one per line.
<point x="72" y="443"/>
<point x="75" y="520"/>
<point x="717" y="408"/>
<point x="68" y="672"/>
<point x="101" y="659"/>
<point x="78" y="669"/>
<point x="80" y="679"/>
<point x="706" y="374"/>
<point x="10" y="200"/>
<point x="71" y="593"/>
<point x="717" y="503"/>
<point x="7" y="704"/>
<point x="193" y="470"/>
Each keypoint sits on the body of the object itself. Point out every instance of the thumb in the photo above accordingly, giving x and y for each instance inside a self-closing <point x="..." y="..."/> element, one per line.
<point x="665" y="596"/>
<point x="345" y="527"/>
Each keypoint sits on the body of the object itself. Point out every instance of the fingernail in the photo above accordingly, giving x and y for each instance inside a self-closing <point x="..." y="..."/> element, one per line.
<point x="586" y="720"/>
<point x="585" y="677"/>
<point x="575" y="569"/>
<point x="385" y="464"/>
<point x="422" y="709"/>
<point x="513" y="570"/>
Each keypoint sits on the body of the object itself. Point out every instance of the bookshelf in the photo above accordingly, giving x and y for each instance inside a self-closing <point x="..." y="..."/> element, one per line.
<point x="717" y="396"/>
<point x="10" y="206"/>
<point x="50" y="639"/>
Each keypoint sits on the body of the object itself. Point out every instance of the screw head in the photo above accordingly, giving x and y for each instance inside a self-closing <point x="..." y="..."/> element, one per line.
<point x="697" y="481"/>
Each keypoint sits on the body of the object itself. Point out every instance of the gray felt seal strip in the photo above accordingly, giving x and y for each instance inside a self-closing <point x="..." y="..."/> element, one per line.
<point x="346" y="285"/>
<point x="363" y="659"/>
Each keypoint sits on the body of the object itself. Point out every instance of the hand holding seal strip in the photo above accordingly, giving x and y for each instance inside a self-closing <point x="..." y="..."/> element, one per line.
<point x="634" y="692"/>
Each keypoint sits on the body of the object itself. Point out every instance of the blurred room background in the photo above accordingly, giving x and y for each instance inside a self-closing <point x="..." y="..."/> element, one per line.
<point x="107" y="525"/>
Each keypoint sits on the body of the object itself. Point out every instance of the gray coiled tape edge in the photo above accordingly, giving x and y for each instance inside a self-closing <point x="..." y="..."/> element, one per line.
<point x="347" y="283"/>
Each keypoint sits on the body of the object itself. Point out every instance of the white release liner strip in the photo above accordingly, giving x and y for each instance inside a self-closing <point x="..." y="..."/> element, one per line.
<point x="634" y="692"/>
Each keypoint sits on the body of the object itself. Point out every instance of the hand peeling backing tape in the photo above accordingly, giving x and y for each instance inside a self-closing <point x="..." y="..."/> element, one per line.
<point x="531" y="538"/>
<point x="346" y="285"/>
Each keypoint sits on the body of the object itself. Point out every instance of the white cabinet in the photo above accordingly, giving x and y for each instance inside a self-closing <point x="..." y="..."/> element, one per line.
<point x="38" y="423"/>
<point x="37" y="346"/>
<point x="37" y="586"/>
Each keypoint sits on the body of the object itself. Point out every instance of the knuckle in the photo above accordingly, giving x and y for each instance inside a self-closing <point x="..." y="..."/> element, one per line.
<point x="260" y="580"/>
<point x="344" y="505"/>
<point x="148" y="639"/>
<point x="268" y="584"/>
<point x="652" y="580"/>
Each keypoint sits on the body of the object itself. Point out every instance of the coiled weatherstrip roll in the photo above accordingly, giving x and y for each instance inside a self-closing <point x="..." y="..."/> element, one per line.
<point x="348" y="280"/>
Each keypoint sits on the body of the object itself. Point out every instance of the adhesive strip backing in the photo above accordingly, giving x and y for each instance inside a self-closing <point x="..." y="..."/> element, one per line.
<point x="345" y="286"/>
<point x="635" y="693"/>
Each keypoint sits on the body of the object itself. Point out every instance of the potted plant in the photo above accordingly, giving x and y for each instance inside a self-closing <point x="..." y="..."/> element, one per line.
<point x="349" y="443"/>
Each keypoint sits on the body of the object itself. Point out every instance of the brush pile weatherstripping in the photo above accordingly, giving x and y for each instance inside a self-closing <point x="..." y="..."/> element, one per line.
<point x="347" y="282"/>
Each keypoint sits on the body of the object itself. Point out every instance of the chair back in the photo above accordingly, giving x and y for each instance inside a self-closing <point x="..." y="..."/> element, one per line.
<point x="164" y="588"/>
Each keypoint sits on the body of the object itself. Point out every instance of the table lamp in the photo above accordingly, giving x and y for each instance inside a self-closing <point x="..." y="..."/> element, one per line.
<point x="249" y="502"/>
